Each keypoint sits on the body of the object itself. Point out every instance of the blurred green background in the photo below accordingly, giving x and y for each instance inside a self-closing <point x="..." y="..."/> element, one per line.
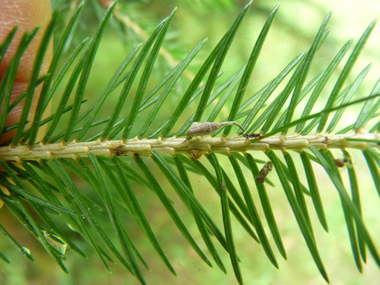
<point x="292" y="32"/>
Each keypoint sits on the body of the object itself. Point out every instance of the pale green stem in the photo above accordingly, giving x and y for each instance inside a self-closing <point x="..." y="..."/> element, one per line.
<point x="194" y="148"/>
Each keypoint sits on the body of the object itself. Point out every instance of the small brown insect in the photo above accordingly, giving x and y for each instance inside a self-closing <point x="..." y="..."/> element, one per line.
<point x="251" y="136"/>
<point x="344" y="161"/>
<point x="206" y="128"/>
<point x="264" y="172"/>
<point x="119" y="153"/>
<point x="340" y="162"/>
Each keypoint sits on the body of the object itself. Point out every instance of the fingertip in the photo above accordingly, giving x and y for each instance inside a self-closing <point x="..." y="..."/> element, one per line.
<point x="27" y="14"/>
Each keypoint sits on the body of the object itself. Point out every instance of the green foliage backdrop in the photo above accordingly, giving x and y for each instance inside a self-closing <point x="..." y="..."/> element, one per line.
<point x="97" y="196"/>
